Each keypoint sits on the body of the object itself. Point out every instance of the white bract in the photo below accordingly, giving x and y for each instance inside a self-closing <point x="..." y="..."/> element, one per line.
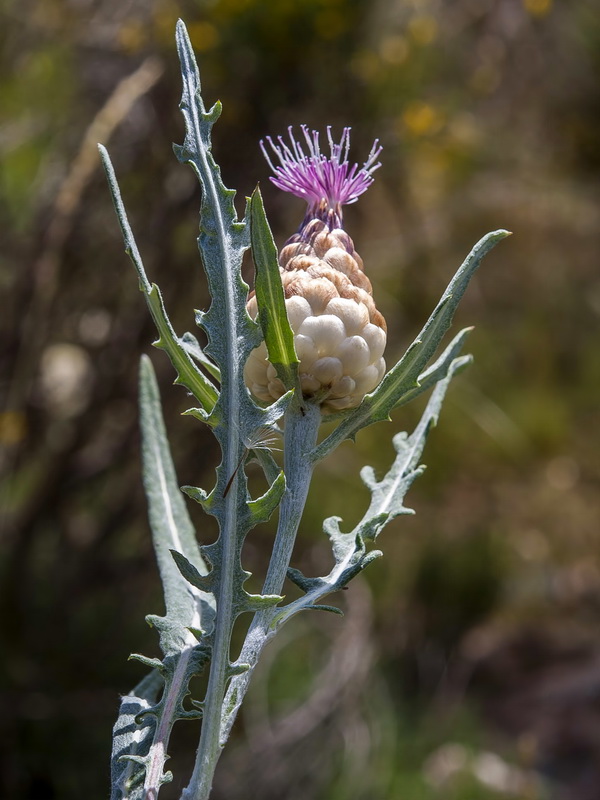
<point x="340" y="353"/>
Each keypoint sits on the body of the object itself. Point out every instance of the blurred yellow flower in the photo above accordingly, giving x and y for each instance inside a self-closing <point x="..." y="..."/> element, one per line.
<point x="203" y="36"/>
<point x="132" y="36"/>
<point x="365" y="65"/>
<point x="164" y="18"/>
<point x="394" y="49"/>
<point x="538" y="8"/>
<point x="421" y="119"/>
<point x="13" y="427"/>
<point x="423" y="29"/>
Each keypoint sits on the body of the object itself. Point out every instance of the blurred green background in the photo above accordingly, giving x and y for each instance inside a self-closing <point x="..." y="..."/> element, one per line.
<point x="468" y="665"/>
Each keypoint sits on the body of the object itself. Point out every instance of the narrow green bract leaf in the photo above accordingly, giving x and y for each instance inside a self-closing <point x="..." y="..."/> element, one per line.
<point x="272" y="315"/>
<point x="188" y="374"/>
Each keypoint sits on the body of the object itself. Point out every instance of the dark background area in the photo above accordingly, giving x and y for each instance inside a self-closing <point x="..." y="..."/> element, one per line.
<point x="468" y="664"/>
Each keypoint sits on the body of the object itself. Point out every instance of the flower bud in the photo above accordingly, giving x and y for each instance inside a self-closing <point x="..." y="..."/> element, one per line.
<point x="339" y="334"/>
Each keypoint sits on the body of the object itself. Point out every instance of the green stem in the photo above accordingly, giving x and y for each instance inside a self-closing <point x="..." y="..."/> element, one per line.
<point x="300" y="436"/>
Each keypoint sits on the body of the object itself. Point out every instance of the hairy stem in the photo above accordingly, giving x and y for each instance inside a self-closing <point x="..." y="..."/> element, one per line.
<point x="300" y="436"/>
<point x="209" y="748"/>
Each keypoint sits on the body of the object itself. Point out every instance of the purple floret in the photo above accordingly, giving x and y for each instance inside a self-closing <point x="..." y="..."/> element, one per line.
<point x="326" y="183"/>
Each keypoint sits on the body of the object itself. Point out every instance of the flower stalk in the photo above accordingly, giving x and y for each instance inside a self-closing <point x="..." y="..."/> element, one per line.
<point x="300" y="436"/>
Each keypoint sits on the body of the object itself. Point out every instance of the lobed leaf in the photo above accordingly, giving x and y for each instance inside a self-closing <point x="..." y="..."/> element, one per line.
<point x="387" y="495"/>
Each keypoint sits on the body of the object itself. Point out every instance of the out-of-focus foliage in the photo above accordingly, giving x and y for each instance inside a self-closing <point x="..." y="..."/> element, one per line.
<point x="468" y="667"/>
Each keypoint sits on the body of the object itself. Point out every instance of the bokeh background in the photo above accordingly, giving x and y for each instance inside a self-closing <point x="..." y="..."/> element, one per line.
<point x="468" y="665"/>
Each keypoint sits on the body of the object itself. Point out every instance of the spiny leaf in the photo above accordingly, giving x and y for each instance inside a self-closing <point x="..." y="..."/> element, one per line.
<point x="152" y="723"/>
<point x="350" y="549"/>
<point x="186" y="607"/>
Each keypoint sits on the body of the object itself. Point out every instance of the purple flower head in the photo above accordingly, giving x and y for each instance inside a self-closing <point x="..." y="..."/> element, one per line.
<point x="325" y="182"/>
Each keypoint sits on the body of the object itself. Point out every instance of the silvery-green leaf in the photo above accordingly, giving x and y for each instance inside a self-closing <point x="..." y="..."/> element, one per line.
<point x="387" y="495"/>
<point x="169" y="519"/>
<point x="133" y="739"/>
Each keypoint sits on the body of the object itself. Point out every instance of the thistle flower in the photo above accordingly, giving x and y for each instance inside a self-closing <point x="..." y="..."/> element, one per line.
<point x="339" y="334"/>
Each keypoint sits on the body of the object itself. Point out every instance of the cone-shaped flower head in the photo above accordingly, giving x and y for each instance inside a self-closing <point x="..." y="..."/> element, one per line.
<point x="338" y="333"/>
